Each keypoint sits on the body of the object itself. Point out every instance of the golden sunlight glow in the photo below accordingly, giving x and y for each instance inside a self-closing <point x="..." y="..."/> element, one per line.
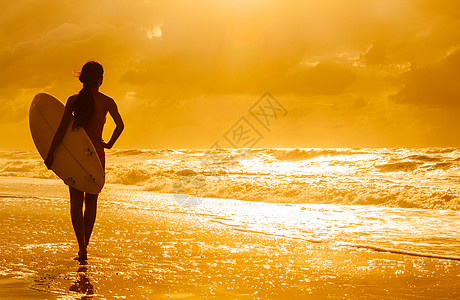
<point x="155" y="32"/>
<point x="273" y="149"/>
<point x="350" y="73"/>
<point x="243" y="32"/>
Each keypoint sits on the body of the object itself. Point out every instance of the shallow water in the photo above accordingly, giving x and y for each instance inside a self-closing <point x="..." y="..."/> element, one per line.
<point x="146" y="245"/>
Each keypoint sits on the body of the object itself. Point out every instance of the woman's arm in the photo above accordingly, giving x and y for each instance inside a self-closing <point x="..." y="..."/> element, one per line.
<point x="59" y="133"/>
<point x="113" y="110"/>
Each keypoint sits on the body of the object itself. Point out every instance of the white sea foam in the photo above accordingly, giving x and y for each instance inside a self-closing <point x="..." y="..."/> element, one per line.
<point x="406" y="178"/>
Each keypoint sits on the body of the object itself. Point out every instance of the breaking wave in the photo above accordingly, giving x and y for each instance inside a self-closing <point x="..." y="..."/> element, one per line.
<point x="302" y="154"/>
<point x="406" y="178"/>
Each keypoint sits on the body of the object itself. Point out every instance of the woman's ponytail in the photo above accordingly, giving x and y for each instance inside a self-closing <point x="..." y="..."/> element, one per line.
<point x="83" y="107"/>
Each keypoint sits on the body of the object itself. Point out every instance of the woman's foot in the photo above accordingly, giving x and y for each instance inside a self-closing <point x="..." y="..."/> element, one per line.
<point x="82" y="256"/>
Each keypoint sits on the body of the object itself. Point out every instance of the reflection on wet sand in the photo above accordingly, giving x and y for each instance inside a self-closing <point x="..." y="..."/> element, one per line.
<point x="82" y="285"/>
<point x="146" y="246"/>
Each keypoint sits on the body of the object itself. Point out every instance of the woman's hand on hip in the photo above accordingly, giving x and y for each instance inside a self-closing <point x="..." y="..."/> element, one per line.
<point x="106" y="145"/>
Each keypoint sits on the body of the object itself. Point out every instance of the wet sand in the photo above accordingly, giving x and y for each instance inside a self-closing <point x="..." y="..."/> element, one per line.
<point x="12" y="288"/>
<point x="164" y="251"/>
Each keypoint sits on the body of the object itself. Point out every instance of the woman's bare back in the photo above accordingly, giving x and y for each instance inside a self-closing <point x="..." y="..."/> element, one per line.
<point x="102" y="104"/>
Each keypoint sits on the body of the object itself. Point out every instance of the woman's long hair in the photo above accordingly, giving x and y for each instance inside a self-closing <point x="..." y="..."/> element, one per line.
<point x="83" y="107"/>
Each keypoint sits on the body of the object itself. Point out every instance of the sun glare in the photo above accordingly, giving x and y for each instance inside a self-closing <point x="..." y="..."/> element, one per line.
<point x="155" y="33"/>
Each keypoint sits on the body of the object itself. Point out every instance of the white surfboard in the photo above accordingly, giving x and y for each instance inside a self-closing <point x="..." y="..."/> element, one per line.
<point x="75" y="160"/>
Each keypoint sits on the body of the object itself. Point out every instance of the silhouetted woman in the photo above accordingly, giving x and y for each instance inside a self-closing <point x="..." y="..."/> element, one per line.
<point x="89" y="108"/>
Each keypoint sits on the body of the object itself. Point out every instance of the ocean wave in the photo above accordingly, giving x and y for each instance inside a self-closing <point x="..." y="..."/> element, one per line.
<point x="303" y="154"/>
<point x="18" y="166"/>
<point x="303" y="193"/>
<point x="441" y="150"/>
<point x="24" y="165"/>
<point x="404" y="166"/>
<point x="441" y="166"/>
<point x="397" y="178"/>
<point x="145" y="152"/>
<point x="426" y="158"/>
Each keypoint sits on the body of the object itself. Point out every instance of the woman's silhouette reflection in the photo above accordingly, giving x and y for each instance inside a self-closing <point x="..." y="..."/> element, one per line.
<point x="82" y="284"/>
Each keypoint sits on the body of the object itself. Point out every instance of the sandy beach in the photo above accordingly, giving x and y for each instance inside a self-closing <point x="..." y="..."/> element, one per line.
<point x="242" y="149"/>
<point x="164" y="251"/>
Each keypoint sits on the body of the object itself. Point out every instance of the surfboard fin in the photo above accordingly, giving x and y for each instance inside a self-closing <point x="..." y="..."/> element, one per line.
<point x="69" y="181"/>
<point x="89" y="152"/>
<point x="90" y="178"/>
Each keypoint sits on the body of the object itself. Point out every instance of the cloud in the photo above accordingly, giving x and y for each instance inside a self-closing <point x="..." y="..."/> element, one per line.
<point x="187" y="64"/>
<point x="353" y="105"/>
<point x="377" y="54"/>
<point x="434" y="86"/>
<point x="323" y="79"/>
<point x="450" y="9"/>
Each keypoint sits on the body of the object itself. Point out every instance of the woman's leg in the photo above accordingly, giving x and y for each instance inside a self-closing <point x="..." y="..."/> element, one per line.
<point x="90" y="215"/>
<point x="76" y="212"/>
<point x="91" y="206"/>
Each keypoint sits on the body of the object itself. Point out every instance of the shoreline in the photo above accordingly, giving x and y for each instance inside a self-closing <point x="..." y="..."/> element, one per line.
<point x="12" y="288"/>
<point x="162" y="250"/>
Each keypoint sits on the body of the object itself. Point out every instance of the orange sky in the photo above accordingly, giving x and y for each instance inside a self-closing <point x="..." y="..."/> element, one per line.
<point x="351" y="73"/>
